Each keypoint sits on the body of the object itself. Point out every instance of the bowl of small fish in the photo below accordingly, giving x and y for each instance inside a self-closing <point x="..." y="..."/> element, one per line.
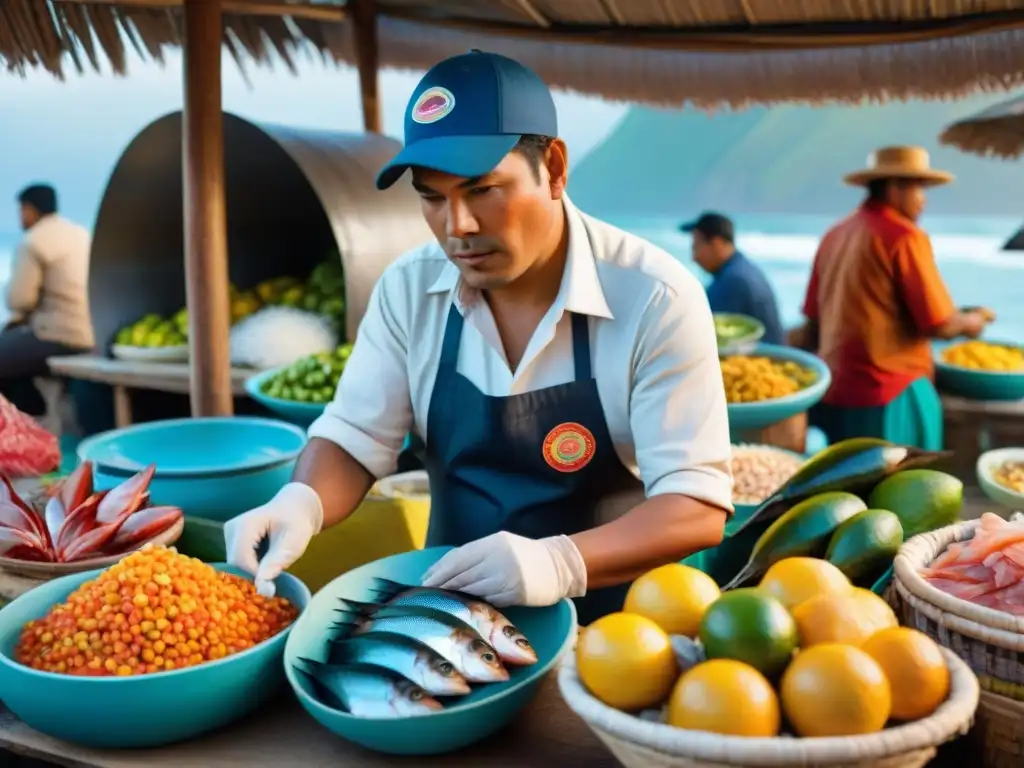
<point x="1001" y="476"/>
<point x="79" y="528"/>
<point x="407" y="670"/>
<point x="980" y="370"/>
<point x="770" y="384"/>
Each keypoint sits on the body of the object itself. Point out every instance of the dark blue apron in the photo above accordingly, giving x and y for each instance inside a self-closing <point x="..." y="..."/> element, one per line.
<point x="535" y="464"/>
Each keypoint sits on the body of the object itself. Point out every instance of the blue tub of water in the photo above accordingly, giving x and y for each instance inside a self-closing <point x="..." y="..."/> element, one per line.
<point x="213" y="468"/>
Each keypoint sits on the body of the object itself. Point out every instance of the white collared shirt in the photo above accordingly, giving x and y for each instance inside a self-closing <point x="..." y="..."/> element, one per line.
<point x="653" y="349"/>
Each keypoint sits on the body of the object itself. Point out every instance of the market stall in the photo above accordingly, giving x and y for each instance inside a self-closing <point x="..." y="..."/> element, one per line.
<point x="818" y="576"/>
<point x="762" y="51"/>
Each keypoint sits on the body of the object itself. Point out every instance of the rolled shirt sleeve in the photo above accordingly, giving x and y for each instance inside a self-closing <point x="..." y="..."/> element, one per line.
<point x="678" y="413"/>
<point x="371" y="413"/>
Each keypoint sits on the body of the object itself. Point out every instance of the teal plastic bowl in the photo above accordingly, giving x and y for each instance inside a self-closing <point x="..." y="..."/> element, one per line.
<point x="750" y="416"/>
<point x="977" y="385"/>
<point x="742" y="343"/>
<point x="302" y="414"/>
<point x="214" y="468"/>
<point x="465" y="720"/>
<point x="143" y="711"/>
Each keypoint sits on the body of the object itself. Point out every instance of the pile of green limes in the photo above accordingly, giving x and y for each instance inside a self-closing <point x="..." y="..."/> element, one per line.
<point x="310" y="379"/>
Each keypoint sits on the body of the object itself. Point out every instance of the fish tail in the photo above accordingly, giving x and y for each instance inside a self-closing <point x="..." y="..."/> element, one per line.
<point x="361" y="608"/>
<point x="344" y="629"/>
<point x="389" y="587"/>
<point x="322" y="691"/>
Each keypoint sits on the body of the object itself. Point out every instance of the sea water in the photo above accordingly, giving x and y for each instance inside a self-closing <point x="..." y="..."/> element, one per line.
<point x="967" y="251"/>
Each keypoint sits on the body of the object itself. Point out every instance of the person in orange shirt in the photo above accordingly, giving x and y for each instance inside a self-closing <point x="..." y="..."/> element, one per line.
<point x="874" y="302"/>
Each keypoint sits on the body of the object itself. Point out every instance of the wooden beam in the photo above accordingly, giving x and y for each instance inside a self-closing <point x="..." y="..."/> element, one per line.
<point x="364" y="31"/>
<point x="206" y="239"/>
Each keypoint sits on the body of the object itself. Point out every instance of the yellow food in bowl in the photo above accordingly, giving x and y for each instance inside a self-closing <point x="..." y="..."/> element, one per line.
<point x="752" y="379"/>
<point x="1010" y="474"/>
<point x="983" y="356"/>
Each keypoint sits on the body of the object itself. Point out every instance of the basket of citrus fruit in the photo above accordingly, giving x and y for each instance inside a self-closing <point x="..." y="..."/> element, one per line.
<point x="803" y="669"/>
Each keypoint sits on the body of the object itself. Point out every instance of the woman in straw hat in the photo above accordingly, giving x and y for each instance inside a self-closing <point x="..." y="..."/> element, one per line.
<point x="874" y="302"/>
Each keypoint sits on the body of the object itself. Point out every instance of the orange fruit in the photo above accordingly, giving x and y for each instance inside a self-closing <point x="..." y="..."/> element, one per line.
<point x="844" y="618"/>
<point x="626" y="661"/>
<point x="674" y="597"/>
<point x="916" y="669"/>
<point x="727" y="697"/>
<point x="835" y="690"/>
<point x="795" y="579"/>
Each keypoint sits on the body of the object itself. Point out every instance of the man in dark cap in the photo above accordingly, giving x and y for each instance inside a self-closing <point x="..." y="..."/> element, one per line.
<point x="561" y="373"/>
<point x="738" y="285"/>
<point x="47" y="294"/>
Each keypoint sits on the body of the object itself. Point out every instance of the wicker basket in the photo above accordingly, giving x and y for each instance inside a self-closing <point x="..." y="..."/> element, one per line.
<point x="638" y="743"/>
<point x="990" y="641"/>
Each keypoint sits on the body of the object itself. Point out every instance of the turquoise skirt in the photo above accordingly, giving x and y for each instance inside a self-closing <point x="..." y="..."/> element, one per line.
<point x="913" y="419"/>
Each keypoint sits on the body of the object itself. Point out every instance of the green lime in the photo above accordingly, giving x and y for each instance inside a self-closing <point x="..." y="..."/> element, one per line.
<point x="749" y="626"/>
<point x="923" y="499"/>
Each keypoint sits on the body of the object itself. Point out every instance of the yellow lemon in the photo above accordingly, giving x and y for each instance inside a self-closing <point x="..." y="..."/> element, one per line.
<point x="674" y="597"/>
<point x="917" y="672"/>
<point x="796" y="579"/>
<point x="845" y="618"/>
<point x="835" y="690"/>
<point x="727" y="697"/>
<point x="626" y="661"/>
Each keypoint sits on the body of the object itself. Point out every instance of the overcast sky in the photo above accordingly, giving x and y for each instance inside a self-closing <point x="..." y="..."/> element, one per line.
<point x="72" y="133"/>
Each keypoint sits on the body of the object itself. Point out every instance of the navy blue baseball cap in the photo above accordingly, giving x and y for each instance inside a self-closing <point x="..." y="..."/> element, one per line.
<point x="468" y="112"/>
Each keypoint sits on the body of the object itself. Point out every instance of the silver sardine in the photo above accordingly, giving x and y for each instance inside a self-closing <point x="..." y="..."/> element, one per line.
<point x="418" y="663"/>
<point x="365" y="691"/>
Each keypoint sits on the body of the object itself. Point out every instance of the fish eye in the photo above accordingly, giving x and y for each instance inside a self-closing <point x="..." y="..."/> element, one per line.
<point x="522" y="642"/>
<point x="446" y="669"/>
<point x="415" y="694"/>
<point x="488" y="657"/>
<point x="509" y="631"/>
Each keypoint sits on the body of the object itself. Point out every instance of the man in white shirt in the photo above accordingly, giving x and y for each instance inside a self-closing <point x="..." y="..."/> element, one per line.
<point x="47" y="294"/>
<point x="562" y="374"/>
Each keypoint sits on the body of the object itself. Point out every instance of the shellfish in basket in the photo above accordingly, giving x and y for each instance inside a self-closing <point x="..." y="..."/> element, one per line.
<point x="80" y="523"/>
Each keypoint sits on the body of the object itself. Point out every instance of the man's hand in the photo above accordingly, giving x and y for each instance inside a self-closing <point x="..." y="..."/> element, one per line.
<point x="976" y="320"/>
<point x="505" y="569"/>
<point x="290" y="520"/>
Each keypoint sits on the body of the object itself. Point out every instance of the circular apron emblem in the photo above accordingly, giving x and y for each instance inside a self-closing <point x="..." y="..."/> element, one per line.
<point x="433" y="104"/>
<point x="569" y="447"/>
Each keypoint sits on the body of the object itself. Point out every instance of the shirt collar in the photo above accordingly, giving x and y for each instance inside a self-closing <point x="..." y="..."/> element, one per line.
<point x="580" y="290"/>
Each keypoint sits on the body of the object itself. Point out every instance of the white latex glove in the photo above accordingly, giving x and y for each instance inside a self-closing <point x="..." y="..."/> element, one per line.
<point x="289" y="520"/>
<point x="505" y="569"/>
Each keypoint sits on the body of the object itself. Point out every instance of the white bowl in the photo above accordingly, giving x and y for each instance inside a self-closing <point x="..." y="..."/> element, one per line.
<point x="985" y="468"/>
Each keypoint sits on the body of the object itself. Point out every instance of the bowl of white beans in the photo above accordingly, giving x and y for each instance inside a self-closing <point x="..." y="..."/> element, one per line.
<point x="758" y="471"/>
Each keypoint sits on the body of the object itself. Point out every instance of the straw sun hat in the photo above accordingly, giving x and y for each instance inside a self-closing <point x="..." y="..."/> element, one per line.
<point x="899" y="163"/>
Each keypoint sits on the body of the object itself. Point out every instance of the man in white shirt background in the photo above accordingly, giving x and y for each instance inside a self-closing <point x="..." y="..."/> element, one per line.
<point x="47" y="296"/>
<point x="561" y="374"/>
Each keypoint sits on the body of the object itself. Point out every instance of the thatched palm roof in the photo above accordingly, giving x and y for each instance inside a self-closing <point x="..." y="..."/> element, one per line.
<point x="998" y="130"/>
<point x="708" y="52"/>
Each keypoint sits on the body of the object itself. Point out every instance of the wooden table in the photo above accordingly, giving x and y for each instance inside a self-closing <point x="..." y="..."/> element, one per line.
<point x="546" y="733"/>
<point x="974" y="426"/>
<point x="123" y="375"/>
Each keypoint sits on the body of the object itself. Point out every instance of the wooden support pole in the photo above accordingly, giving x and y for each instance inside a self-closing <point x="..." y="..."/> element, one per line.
<point x="364" y="31"/>
<point x="206" y="238"/>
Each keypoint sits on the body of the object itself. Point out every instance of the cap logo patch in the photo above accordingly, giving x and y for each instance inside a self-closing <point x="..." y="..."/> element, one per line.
<point x="433" y="104"/>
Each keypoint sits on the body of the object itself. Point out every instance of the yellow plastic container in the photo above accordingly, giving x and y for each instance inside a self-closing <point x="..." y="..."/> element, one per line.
<point x="393" y="519"/>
